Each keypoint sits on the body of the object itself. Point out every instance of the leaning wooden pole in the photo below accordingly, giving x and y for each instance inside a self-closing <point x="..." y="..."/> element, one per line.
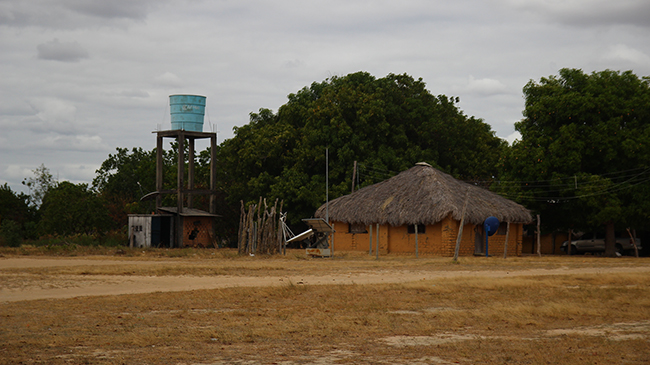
<point x="633" y="241"/>
<point x="460" y="229"/>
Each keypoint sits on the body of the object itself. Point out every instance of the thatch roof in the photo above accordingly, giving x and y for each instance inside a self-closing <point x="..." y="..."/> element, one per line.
<point x="422" y="195"/>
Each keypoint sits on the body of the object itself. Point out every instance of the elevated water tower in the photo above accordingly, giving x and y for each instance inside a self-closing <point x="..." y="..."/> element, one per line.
<point x="187" y="112"/>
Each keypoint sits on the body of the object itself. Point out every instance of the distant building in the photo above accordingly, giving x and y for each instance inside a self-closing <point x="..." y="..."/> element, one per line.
<point x="428" y="201"/>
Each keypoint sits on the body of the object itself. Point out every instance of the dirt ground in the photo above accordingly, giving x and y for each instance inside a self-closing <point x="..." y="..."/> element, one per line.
<point x="18" y="288"/>
<point x="293" y="310"/>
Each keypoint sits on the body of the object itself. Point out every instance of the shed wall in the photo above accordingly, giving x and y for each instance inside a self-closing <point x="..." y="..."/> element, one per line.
<point x="196" y="231"/>
<point x="140" y="231"/>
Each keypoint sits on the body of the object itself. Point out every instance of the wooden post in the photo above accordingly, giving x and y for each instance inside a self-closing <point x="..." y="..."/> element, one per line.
<point x="568" y="246"/>
<point x="284" y="246"/>
<point x="370" y="238"/>
<point x="159" y="170"/>
<point x="377" y="248"/>
<point x="279" y="226"/>
<point x="213" y="174"/>
<point x="539" y="237"/>
<point x="505" y="246"/>
<point x="633" y="240"/>
<point x="416" y="241"/>
<point x="190" y="173"/>
<point x="249" y="227"/>
<point x="354" y="175"/>
<point x="460" y="229"/>
<point x="242" y="229"/>
<point x="180" y="179"/>
<point x="179" y="189"/>
<point x="332" y="234"/>
<point x="257" y="227"/>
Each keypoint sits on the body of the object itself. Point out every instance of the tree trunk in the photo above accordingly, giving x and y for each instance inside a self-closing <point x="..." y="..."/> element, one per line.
<point x="610" y="240"/>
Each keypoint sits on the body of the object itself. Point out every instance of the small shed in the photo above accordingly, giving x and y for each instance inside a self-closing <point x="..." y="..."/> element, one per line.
<point x="197" y="226"/>
<point x="420" y="210"/>
<point x="151" y="230"/>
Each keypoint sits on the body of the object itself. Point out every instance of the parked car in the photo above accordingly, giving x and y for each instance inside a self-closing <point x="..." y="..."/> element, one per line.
<point x="596" y="243"/>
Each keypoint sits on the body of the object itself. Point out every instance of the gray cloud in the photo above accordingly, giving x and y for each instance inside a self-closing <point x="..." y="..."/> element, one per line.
<point x="246" y="55"/>
<point x="590" y="12"/>
<point x="112" y="9"/>
<point x="73" y="14"/>
<point x="61" y="51"/>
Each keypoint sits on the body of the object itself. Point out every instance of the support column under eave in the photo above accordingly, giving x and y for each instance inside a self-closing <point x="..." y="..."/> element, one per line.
<point x="159" y="170"/>
<point x="190" y="173"/>
<point x="213" y="174"/>
<point x="179" y="189"/>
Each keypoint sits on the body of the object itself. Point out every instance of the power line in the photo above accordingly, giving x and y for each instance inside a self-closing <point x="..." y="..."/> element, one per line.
<point x="556" y="189"/>
<point x="569" y="178"/>
<point x="607" y="189"/>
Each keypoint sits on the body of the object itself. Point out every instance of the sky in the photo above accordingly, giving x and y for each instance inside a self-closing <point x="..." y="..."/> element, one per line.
<point x="80" y="78"/>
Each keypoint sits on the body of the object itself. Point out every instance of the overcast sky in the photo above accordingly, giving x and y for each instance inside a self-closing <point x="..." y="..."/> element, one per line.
<point x="79" y="78"/>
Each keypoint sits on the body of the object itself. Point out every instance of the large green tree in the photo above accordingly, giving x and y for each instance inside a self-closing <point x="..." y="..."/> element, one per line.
<point x="127" y="175"/>
<point x="122" y="179"/>
<point x="14" y="206"/>
<point x="15" y="215"/>
<point x="583" y="158"/>
<point x="69" y="209"/>
<point x="386" y="124"/>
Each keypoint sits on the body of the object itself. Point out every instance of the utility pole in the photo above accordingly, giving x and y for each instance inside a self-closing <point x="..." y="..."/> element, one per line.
<point x="354" y="175"/>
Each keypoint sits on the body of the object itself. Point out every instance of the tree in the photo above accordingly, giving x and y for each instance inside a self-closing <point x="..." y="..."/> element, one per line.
<point x="14" y="206"/>
<point x="73" y="209"/>
<point x="583" y="158"/>
<point x="15" y="214"/>
<point x="385" y="124"/>
<point x="39" y="184"/>
<point x="10" y="233"/>
<point x="128" y="174"/>
<point x="124" y="178"/>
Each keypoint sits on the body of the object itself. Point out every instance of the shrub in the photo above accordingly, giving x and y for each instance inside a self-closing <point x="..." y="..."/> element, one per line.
<point x="10" y="233"/>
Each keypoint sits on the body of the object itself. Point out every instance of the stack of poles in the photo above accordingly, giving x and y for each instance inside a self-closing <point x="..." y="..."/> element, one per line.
<point x="260" y="230"/>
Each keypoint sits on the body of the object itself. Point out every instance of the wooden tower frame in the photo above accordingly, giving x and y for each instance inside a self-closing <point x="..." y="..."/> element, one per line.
<point x="181" y="191"/>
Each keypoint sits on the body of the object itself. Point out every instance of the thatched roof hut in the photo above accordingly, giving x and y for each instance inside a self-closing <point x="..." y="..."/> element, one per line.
<point x="422" y="195"/>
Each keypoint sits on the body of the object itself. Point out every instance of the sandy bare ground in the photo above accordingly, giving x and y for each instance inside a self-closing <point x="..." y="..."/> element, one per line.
<point x="17" y="286"/>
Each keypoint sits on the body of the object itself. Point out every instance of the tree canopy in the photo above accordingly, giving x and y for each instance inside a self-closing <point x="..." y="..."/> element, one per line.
<point x="386" y="124"/>
<point x="14" y="206"/>
<point x="39" y="184"/>
<point x="583" y="158"/>
<point x="69" y="209"/>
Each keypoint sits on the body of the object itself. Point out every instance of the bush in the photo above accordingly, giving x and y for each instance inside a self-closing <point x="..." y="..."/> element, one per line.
<point x="10" y="233"/>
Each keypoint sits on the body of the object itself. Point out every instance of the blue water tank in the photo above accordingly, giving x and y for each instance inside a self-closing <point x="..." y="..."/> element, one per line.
<point x="187" y="112"/>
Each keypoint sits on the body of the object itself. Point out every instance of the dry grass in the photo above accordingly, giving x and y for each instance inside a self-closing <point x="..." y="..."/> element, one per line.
<point x="560" y="319"/>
